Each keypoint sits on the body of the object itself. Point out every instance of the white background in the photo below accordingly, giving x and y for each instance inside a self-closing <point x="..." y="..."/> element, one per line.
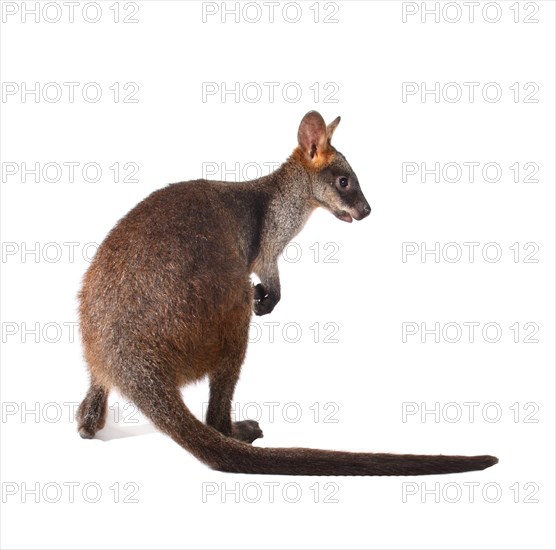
<point x="369" y="373"/>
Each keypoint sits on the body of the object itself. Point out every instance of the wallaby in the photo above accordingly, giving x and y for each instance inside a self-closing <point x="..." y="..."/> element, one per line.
<point x="168" y="300"/>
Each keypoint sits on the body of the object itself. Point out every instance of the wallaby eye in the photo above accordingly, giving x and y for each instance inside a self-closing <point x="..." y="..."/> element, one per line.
<point x="343" y="182"/>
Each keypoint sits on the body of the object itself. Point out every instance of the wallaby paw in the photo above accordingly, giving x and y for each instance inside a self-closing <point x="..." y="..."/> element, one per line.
<point x="259" y="292"/>
<point x="246" y="430"/>
<point x="263" y="302"/>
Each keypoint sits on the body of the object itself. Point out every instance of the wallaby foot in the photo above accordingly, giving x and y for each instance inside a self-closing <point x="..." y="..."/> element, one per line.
<point x="91" y="414"/>
<point x="246" y="430"/>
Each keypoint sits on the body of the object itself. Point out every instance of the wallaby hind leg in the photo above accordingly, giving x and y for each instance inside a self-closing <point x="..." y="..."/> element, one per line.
<point x="219" y="414"/>
<point x="223" y="379"/>
<point x="91" y="414"/>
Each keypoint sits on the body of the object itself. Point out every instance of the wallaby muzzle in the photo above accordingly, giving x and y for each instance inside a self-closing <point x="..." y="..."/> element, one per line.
<point x="357" y="212"/>
<point x="362" y="211"/>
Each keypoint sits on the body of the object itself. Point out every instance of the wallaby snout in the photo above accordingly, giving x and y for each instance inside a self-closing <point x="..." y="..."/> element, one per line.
<point x="355" y="213"/>
<point x="348" y="203"/>
<point x="362" y="210"/>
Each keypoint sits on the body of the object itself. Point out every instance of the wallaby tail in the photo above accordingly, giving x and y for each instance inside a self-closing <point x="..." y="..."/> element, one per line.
<point x="169" y="413"/>
<point x="299" y="461"/>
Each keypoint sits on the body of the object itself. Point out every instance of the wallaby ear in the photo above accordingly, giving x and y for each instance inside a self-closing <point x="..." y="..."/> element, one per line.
<point x="312" y="135"/>
<point x="331" y="127"/>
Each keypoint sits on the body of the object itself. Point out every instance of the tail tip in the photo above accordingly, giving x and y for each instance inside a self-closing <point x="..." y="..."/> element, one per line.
<point x="487" y="461"/>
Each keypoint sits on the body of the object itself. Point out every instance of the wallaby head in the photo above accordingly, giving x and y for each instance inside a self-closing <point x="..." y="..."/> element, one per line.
<point x="334" y="183"/>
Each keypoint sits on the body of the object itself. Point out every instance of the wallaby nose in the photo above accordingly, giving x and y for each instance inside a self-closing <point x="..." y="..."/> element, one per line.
<point x="366" y="210"/>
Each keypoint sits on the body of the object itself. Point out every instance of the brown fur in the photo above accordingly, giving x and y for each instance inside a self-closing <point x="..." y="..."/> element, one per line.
<point x="168" y="300"/>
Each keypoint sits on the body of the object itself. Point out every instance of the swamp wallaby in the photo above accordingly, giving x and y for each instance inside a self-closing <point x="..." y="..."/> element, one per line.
<point x="168" y="300"/>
